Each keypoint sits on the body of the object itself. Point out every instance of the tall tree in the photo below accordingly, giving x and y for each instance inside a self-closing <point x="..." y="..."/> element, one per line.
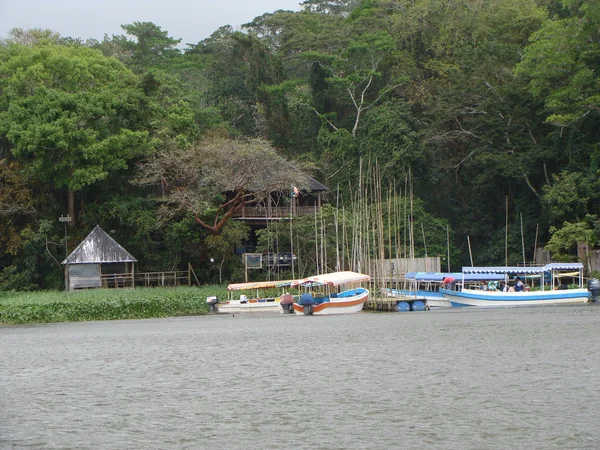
<point x="70" y="115"/>
<point x="148" y="44"/>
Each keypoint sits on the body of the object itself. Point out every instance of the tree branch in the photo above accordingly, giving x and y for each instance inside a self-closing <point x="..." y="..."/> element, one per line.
<point x="531" y="187"/>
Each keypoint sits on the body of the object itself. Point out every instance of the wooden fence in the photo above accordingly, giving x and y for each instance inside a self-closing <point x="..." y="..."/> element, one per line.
<point x="147" y="279"/>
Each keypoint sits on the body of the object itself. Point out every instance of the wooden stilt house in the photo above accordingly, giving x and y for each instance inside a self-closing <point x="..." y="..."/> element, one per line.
<point x="99" y="261"/>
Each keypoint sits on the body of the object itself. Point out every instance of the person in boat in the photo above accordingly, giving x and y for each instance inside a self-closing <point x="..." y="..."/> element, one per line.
<point x="449" y="283"/>
<point x="483" y="286"/>
<point x="519" y="286"/>
<point x="492" y="286"/>
<point x="503" y="287"/>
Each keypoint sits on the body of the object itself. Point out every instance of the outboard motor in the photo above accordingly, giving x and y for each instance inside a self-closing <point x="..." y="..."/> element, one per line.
<point x="594" y="288"/>
<point x="212" y="303"/>
<point x="287" y="303"/>
<point x="307" y="302"/>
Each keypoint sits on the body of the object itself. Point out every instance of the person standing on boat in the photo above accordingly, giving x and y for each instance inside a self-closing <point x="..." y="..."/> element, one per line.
<point x="519" y="285"/>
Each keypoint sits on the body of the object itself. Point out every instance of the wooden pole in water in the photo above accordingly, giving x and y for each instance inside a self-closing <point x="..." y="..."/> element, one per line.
<point x="522" y="240"/>
<point x="338" y="266"/>
<point x="316" y="242"/>
<point x="470" y="253"/>
<point x="537" y="225"/>
<point x="448" y="243"/>
<point x="292" y="200"/>
<point x="425" y="245"/>
<point x="506" y="236"/>
<point x="389" y="213"/>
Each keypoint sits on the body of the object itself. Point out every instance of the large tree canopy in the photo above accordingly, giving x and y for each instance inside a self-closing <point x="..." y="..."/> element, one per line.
<point x="218" y="176"/>
<point x="70" y="114"/>
<point x="484" y="104"/>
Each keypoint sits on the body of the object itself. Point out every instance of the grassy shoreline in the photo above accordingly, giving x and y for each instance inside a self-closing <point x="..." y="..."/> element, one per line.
<point x="104" y="304"/>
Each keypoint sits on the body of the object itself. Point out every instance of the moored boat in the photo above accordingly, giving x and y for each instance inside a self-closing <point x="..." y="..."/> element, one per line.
<point x="258" y="296"/>
<point x="426" y="286"/>
<point x="549" y="291"/>
<point x="332" y="293"/>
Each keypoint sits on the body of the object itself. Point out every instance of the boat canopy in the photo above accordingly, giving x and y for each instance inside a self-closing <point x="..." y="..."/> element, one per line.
<point x="439" y="276"/>
<point x="563" y="266"/>
<point x="523" y="270"/>
<point x="258" y="285"/>
<point x="333" y="279"/>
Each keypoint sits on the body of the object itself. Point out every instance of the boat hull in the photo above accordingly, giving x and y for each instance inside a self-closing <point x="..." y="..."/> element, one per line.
<point x="340" y="305"/>
<point x="471" y="297"/>
<point x="235" y="306"/>
<point x="434" y="299"/>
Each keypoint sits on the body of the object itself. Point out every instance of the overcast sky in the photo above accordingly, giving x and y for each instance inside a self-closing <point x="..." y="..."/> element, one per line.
<point x="188" y="20"/>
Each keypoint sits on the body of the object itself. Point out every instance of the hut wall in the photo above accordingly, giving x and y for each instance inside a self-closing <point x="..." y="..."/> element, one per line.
<point x="84" y="276"/>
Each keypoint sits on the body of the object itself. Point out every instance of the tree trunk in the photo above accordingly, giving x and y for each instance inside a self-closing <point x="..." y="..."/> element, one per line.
<point x="71" y="208"/>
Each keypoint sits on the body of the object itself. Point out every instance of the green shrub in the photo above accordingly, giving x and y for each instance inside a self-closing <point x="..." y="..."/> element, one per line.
<point x="105" y="304"/>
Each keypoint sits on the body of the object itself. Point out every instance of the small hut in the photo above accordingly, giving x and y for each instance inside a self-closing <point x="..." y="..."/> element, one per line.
<point x="99" y="261"/>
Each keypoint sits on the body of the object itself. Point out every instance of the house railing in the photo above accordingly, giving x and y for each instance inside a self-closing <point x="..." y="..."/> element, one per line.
<point x="274" y="212"/>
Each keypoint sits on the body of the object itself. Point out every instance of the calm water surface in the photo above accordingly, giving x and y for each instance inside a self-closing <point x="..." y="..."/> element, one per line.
<point x="525" y="378"/>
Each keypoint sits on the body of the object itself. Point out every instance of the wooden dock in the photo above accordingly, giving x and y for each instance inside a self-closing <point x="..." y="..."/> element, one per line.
<point x="386" y="303"/>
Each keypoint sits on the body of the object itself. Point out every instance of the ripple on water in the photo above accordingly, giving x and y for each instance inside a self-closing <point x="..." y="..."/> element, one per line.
<point x="453" y="379"/>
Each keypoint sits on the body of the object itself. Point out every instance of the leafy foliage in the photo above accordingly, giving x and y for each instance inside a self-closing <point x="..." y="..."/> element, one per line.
<point x="102" y="304"/>
<point x="490" y="108"/>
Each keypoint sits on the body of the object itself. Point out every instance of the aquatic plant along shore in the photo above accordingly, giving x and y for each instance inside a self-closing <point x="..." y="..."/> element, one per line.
<point x="104" y="304"/>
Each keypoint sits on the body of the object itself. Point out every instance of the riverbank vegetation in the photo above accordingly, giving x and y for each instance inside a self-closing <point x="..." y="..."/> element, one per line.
<point x="490" y="109"/>
<point x="104" y="304"/>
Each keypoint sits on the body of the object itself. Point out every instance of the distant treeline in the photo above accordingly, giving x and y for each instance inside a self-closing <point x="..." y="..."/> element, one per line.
<point x="487" y="113"/>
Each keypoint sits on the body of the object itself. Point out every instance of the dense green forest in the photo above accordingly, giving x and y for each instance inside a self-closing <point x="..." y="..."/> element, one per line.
<point x="480" y="104"/>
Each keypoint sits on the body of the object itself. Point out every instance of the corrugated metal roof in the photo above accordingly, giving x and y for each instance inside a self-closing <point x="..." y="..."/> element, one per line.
<point x="98" y="247"/>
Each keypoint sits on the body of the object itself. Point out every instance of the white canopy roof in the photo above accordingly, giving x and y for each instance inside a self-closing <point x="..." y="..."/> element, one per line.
<point x="333" y="279"/>
<point x="258" y="285"/>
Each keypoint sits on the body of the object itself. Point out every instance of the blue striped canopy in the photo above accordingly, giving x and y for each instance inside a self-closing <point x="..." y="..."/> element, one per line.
<point x="523" y="270"/>
<point x="439" y="276"/>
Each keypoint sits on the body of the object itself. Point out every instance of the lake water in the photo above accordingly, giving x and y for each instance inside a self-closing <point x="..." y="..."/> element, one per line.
<point x="524" y="378"/>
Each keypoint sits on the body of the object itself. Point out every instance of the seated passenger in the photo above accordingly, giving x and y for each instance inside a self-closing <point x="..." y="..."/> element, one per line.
<point x="519" y="285"/>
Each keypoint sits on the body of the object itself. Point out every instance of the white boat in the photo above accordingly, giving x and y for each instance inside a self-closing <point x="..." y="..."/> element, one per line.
<point x="549" y="291"/>
<point x="426" y="286"/>
<point x="332" y="293"/>
<point x="257" y="296"/>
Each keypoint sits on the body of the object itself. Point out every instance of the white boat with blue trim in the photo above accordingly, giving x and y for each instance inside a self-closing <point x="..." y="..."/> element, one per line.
<point x="549" y="290"/>
<point x="426" y="286"/>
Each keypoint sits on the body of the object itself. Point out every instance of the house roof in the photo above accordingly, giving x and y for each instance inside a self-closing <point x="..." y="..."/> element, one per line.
<point x="315" y="186"/>
<point x="98" y="247"/>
